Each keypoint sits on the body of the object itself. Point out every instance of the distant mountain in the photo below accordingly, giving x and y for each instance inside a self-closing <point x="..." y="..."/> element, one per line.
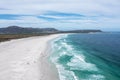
<point x="81" y="31"/>
<point x="22" y="30"/>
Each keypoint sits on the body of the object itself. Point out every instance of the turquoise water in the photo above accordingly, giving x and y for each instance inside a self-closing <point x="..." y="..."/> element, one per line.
<point x="87" y="56"/>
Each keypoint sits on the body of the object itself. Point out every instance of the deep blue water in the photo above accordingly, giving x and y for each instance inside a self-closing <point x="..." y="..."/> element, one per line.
<point x="87" y="56"/>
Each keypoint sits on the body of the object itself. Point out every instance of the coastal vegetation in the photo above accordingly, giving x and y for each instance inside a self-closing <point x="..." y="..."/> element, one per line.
<point x="6" y="37"/>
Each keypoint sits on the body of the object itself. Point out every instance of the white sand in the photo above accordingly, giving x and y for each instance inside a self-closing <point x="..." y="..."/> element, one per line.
<point x="25" y="59"/>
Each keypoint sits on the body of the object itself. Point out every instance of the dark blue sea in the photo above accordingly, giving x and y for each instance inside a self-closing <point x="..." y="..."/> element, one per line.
<point x="87" y="56"/>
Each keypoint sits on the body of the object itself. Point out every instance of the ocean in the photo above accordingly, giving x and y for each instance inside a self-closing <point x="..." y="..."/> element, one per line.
<point x="87" y="56"/>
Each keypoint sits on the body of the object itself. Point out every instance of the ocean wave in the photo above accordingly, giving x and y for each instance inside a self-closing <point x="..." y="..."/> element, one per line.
<point x="62" y="37"/>
<point x="67" y="60"/>
<point x="96" y="77"/>
<point x="79" y="63"/>
<point x="65" y="74"/>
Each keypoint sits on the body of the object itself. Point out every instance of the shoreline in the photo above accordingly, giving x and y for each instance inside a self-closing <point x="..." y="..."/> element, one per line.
<point x="27" y="59"/>
<point x="51" y="71"/>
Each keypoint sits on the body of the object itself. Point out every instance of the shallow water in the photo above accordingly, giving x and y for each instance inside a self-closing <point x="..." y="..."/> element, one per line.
<point x="87" y="56"/>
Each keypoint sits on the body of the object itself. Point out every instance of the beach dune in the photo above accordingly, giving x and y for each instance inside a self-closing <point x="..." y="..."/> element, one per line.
<point x="26" y="59"/>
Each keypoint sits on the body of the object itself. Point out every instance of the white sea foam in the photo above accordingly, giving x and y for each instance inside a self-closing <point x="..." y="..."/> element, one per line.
<point x="75" y="77"/>
<point x="80" y="57"/>
<point x="62" y="37"/>
<point x="79" y="63"/>
<point x="63" y="53"/>
<point x="96" y="77"/>
<point x="65" y="74"/>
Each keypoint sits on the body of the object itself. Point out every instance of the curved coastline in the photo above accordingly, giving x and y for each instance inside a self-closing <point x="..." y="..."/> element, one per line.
<point x="27" y="59"/>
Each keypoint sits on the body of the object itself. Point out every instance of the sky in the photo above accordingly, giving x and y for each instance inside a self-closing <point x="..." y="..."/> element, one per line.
<point x="61" y="14"/>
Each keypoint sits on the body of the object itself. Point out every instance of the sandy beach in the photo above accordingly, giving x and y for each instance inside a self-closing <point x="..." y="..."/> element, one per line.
<point x="26" y="59"/>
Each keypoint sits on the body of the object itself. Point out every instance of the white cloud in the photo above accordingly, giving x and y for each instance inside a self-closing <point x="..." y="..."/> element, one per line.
<point x="106" y="11"/>
<point x="26" y="21"/>
<point x="77" y="6"/>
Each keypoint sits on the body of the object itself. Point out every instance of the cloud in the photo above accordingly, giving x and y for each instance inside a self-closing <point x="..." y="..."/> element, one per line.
<point x="58" y="16"/>
<point x="77" y="6"/>
<point x="61" y="14"/>
<point x="47" y="18"/>
<point x="4" y="9"/>
<point x="9" y="16"/>
<point x="26" y="21"/>
<point x="85" y="13"/>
